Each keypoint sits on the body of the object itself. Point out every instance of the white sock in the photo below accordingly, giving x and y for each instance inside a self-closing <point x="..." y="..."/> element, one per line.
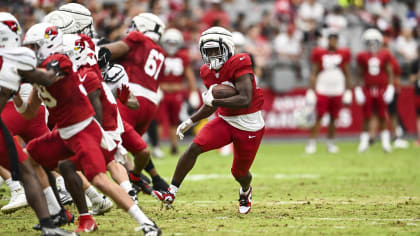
<point x="330" y="142"/>
<point x="53" y="206"/>
<point x="385" y="137"/>
<point x="13" y="185"/>
<point x="138" y="215"/>
<point x="60" y="183"/>
<point x="93" y="194"/>
<point x="312" y="142"/>
<point x="126" y="186"/>
<point x="173" y="189"/>
<point x="242" y="192"/>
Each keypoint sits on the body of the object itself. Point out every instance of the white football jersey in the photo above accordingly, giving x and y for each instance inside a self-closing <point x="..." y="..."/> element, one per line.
<point x="12" y="60"/>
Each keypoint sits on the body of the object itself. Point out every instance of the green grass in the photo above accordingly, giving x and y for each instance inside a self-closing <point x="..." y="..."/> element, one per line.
<point x="323" y="194"/>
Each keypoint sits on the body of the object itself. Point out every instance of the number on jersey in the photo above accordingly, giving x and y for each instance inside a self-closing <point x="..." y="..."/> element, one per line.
<point x="174" y="66"/>
<point x="374" y="66"/>
<point x="154" y="63"/>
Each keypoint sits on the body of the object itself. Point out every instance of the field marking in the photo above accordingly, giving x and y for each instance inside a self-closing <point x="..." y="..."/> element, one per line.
<point x="357" y="219"/>
<point x="201" y="177"/>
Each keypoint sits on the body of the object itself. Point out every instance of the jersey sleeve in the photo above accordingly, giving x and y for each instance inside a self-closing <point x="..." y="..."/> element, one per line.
<point x="241" y="65"/>
<point x="396" y="68"/>
<point x="134" y="37"/>
<point x="91" y="82"/>
<point x="315" y="55"/>
<point x="359" y="59"/>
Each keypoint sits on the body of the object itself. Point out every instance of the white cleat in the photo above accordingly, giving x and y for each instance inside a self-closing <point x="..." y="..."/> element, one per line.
<point x="332" y="148"/>
<point x="158" y="153"/>
<point x="102" y="206"/>
<point x="17" y="200"/>
<point x="245" y="200"/>
<point x="401" y="143"/>
<point x="363" y="147"/>
<point x="387" y="147"/>
<point x="310" y="148"/>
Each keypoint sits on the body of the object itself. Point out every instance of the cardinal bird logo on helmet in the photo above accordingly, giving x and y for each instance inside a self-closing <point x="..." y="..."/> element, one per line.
<point x="79" y="45"/>
<point x="51" y="32"/>
<point x="13" y="26"/>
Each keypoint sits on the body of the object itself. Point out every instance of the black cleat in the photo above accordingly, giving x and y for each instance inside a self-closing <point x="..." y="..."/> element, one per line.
<point x="160" y="184"/>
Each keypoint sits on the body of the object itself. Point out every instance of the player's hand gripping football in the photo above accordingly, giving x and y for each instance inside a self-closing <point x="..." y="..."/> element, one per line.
<point x="208" y="96"/>
<point x="183" y="127"/>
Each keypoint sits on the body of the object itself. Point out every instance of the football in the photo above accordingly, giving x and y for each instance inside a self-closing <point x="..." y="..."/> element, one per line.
<point x="223" y="91"/>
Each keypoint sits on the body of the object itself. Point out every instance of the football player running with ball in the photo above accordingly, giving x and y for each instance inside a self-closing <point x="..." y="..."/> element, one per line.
<point x="239" y="121"/>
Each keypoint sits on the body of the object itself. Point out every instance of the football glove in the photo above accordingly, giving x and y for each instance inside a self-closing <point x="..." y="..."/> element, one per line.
<point x="208" y="96"/>
<point x="194" y="99"/>
<point x="359" y="95"/>
<point x="183" y="127"/>
<point x="310" y="97"/>
<point x="389" y="94"/>
<point x="347" y="97"/>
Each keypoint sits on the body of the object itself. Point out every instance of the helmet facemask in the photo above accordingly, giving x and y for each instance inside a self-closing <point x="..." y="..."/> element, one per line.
<point x="171" y="46"/>
<point x="373" y="45"/>
<point x="214" y="54"/>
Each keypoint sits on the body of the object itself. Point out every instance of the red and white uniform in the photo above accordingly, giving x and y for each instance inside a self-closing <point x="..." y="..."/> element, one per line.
<point x="143" y="64"/>
<point x="131" y="140"/>
<point x="244" y="127"/>
<point x="76" y="136"/>
<point x="17" y="125"/>
<point x="170" y="106"/>
<point x="373" y="68"/>
<point x="11" y="60"/>
<point x="331" y="81"/>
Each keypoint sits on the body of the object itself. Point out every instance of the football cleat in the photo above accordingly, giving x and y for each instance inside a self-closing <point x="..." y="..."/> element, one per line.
<point x="245" y="200"/>
<point x="65" y="197"/>
<point x="62" y="218"/>
<point x="310" y="148"/>
<point x="17" y="200"/>
<point x="102" y="206"/>
<point x="86" y="224"/>
<point x="158" y="153"/>
<point x="57" y="232"/>
<point x="332" y="148"/>
<point x="160" y="184"/>
<point x="139" y="184"/>
<point x="166" y="197"/>
<point x="150" y="229"/>
<point x="145" y="178"/>
<point x="400" y="143"/>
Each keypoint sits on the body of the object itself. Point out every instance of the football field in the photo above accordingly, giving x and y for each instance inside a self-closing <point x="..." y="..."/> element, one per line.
<point x="293" y="194"/>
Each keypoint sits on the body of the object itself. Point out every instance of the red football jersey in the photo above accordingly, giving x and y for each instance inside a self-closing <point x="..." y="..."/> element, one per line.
<point x="91" y="80"/>
<point x="236" y="66"/>
<point x="374" y="67"/>
<point x="66" y="100"/>
<point x="144" y="61"/>
<point x="327" y="59"/>
<point x="175" y="66"/>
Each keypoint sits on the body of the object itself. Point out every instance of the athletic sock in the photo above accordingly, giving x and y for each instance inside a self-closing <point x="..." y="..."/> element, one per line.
<point x="149" y="166"/>
<point x="60" y="183"/>
<point x="385" y="138"/>
<point x="126" y="186"/>
<point x="53" y="205"/>
<point x="93" y="194"/>
<point x="242" y="192"/>
<point x="13" y="185"/>
<point x="138" y="215"/>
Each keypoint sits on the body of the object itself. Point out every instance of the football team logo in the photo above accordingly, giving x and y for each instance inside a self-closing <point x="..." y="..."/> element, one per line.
<point x="79" y="45"/>
<point x="13" y="26"/>
<point x="51" y="33"/>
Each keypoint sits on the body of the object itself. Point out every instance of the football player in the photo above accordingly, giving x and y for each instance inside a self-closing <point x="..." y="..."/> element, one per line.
<point x="329" y="88"/>
<point x="143" y="59"/>
<point x="377" y="89"/>
<point x="176" y="69"/>
<point x="78" y="141"/>
<point x="15" y="60"/>
<point x="239" y="121"/>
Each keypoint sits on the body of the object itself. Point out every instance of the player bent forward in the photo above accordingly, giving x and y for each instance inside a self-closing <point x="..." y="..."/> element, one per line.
<point x="239" y="120"/>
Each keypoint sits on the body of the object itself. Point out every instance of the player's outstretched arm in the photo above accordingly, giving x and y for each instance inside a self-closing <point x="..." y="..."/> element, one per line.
<point x="244" y="97"/>
<point x="204" y="112"/>
<point x="95" y="100"/>
<point x="118" y="49"/>
<point x="46" y="78"/>
<point x="5" y="94"/>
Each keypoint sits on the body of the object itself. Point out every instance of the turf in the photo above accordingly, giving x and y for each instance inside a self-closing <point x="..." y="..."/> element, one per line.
<point x="294" y="194"/>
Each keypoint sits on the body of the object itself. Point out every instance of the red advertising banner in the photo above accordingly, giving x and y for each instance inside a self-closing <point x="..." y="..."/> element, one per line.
<point x="278" y="113"/>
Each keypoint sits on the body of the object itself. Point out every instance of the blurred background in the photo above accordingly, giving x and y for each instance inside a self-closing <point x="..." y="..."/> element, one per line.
<point x="280" y="35"/>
